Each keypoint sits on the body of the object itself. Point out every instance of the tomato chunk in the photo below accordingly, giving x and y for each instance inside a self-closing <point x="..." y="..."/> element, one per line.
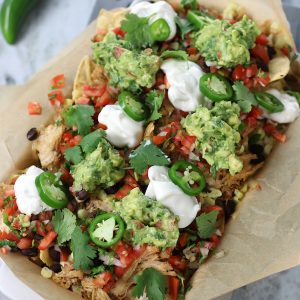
<point x="174" y="285"/>
<point x="24" y="243"/>
<point x="47" y="240"/>
<point x="34" y="108"/>
<point x="58" y="82"/>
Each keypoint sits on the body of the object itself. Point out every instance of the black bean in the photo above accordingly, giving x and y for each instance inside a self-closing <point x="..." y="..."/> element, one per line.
<point x="55" y="255"/>
<point x="260" y="158"/>
<point x="82" y="195"/>
<point x="34" y="217"/>
<point x="271" y="51"/>
<point x="32" y="134"/>
<point x="261" y="65"/>
<point x="38" y="237"/>
<point x="14" y="249"/>
<point x="256" y="148"/>
<point x="30" y="252"/>
<point x="56" y="268"/>
<point x="201" y="62"/>
<point x="113" y="189"/>
<point x="228" y="207"/>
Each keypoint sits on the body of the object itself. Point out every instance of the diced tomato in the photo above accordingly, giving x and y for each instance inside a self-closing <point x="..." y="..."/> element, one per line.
<point x="24" y="243"/>
<point x="239" y="73"/>
<point x="94" y="91"/>
<point x="192" y="51"/>
<point x="123" y="191"/>
<point x="251" y="71"/>
<point x="45" y="215"/>
<point x="64" y="254"/>
<point x="178" y="262"/>
<point x="173" y="284"/>
<point x="8" y="236"/>
<point x="40" y="228"/>
<point x="119" y="271"/>
<point x="83" y="100"/>
<point x="165" y="45"/>
<point x="34" y="108"/>
<point x="9" y="193"/>
<point x="74" y="141"/>
<point x="11" y="207"/>
<point x="58" y="82"/>
<point x="159" y="139"/>
<point x="102" y="279"/>
<point x="102" y="126"/>
<point x="131" y="181"/>
<point x="255" y="112"/>
<point x="213" y="69"/>
<point x="118" y="31"/>
<point x="285" y="51"/>
<point x="67" y="136"/>
<point x="189" y="142"/>
<point x="263" y="81"/>
<point x="183" y="239"/>
<point x="261" y="52"/>
<point x="47" y="240"/>
<point x="262" y="39"/>
<point x="210" y="208"/>
<point x="270" y="129"/>
<point x="56" y="98"/>
<point x="215" y="240"/>
<point x="1" y="203"/>
<point x="104" y="100"/>
<point x="66" y="176"/>
<point x="48" y="227"/>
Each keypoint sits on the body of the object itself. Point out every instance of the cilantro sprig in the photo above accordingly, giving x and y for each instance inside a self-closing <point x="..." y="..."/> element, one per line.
<point x="154" y="101"/>
<point x="147" y="154"/>
<point x="83" y="252"/>
<point x="87" y="145"/>
<point x="79" y="116"/>
<point x="64" y="223"/>
<point x="206" y="224"/>
<point x="243" y="96"/>
<point x="137" y="31"/>
<point x="152" y="282"/>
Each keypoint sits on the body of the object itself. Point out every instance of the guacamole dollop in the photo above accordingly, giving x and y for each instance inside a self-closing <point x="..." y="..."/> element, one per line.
<point x="127" y="68"/>
<point x="101" y="168"/>
<point x="225" y="44"/>
<point x="217" y="135"/>
<point x="148" y="221"/>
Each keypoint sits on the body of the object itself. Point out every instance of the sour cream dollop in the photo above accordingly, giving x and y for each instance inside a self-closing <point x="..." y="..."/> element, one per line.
<point x="291" y="108"/>
<point x="162" y="189"/>
<point x="183" y="78"/>
<point x="121" y="129"/>
<point x="157" y="10"/>
<point x="28" y="199"/>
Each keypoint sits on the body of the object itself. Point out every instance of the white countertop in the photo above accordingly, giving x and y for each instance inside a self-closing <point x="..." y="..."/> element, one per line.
<point x="50" y="29"/>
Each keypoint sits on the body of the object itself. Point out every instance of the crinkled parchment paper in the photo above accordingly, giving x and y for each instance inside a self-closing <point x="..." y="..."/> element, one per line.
<point x="263" y="237"/>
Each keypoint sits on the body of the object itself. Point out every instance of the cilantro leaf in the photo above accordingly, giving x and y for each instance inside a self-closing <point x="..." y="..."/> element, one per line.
<point x="191" y="4"/>
<point x="243" y="96"/>
<point x="79" y="116"/>
<point x="90" y="142"/>
<point x="87" y="145"/>
<point x="137" y="31"/>
<point x="154" y="101"/>
<point x="184" y="26"/>
<point x="83" y="253"/>
<point x="206" y="224"/>
<point x="151" y="281"/>
<point x="73" y="154"/>
<point x="177" y="54"/>
<point x="147" y="154"/>
<point x="64" y="223"/>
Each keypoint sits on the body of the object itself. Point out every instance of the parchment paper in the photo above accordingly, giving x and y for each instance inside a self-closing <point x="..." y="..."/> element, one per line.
<point x="261" y="239"/>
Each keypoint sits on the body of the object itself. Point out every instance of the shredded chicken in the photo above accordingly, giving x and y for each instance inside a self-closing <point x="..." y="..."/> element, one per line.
<point x="91" y="292"/>
<point x="149" y="259"/>
<point x="46" y="146"/>
<point x="227" y="183"/>
<point x="94" y="205"/>
<point x="68" y="277"/>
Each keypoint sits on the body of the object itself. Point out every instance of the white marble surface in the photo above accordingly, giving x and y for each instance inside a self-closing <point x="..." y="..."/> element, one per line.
<point x="51" y="28"/>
